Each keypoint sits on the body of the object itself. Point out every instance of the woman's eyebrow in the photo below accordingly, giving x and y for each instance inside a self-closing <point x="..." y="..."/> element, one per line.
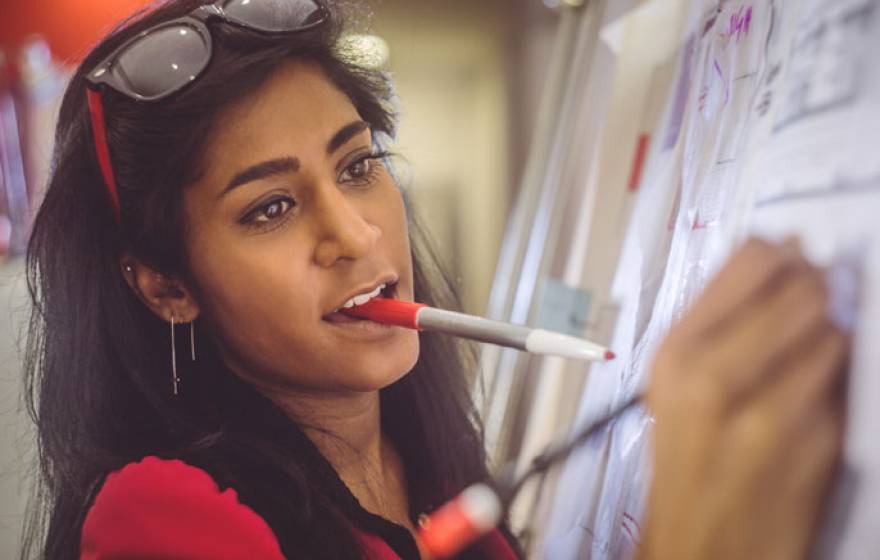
<point x="261" y="171"/>
<point x="345" y="134"/>
<point x="291" y="164"/>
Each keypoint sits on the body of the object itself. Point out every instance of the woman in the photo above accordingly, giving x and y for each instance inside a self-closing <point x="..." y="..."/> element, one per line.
<point x="235" y="212"/>
<point x="220" y="190"/>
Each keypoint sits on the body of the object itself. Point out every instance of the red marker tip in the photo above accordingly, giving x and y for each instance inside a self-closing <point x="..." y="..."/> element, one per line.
<point x="609" y="355"/>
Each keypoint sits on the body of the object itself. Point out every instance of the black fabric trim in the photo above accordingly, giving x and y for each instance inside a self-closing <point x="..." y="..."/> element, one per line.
<point x="397" y="537"/>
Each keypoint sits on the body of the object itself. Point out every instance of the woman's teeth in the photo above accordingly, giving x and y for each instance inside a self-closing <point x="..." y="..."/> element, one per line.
<point x="363" y="298"/>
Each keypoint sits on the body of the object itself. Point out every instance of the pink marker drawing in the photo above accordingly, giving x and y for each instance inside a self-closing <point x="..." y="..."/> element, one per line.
<point x="740" y="22"/>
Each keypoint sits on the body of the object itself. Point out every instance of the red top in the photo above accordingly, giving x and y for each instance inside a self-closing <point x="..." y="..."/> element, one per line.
<point x="160" y="509"/>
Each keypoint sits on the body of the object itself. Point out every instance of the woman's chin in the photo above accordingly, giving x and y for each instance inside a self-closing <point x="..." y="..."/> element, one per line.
<point x="360" y="367"/>
<point x="386" y="368"/>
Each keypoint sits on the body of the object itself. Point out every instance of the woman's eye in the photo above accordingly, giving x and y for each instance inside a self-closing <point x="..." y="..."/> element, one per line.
<point x="357" y="171"/>
<point x="361" y="170"/>
<point x="270" y="212"/>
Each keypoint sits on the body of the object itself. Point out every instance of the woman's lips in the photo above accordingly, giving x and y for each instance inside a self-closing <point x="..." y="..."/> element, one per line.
<point x="337" y="317"/>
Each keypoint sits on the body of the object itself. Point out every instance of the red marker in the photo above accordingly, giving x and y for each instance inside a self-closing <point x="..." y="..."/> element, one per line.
<point x="458" y="523"/>
<point x="421" y="317"/>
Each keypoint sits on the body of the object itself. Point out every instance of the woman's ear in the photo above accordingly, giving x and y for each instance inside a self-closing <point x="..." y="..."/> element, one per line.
<point x="166" y="296"/>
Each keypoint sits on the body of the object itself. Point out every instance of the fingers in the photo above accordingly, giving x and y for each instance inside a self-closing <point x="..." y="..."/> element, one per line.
<point x="748" y="272"/>
<point x="816" y="451"/>
<point x="814" y="455"/>
<point x="800" y="411"/>
<point x="815" y="378"/>
<point x="775" y="327"/>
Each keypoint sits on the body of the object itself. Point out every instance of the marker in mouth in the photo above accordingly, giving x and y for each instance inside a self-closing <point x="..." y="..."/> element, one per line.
<point x="388" y="292"/>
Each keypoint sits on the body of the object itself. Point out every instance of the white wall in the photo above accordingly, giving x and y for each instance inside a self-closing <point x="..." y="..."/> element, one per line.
<point x="16" y="444"/>
<point x="450" y="64"/>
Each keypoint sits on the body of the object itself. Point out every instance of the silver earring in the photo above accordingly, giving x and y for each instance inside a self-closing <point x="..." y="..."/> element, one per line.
<point x="192" y="339"/>
<point x="174" y="379"/>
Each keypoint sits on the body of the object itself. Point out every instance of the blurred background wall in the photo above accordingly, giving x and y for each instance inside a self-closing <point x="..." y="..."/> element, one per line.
<point x="460" y="68"/>
<point x="468" y="75"/>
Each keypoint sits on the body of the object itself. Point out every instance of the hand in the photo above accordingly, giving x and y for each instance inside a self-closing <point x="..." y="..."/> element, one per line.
<point x="748" y="396"/>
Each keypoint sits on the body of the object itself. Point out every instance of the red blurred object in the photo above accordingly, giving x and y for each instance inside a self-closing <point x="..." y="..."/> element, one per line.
<point x="461" y="521"/>
<point x="449" y="531"/>
<point x="70" y="26"/>
<point x="5" y="234"/>
<point x="635" y="178"/>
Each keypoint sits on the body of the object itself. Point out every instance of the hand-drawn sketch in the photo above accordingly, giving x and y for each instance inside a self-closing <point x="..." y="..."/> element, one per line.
<point x="827" y="61"/>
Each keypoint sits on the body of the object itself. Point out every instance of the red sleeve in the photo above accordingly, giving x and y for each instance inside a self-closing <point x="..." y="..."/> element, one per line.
<point x="160" y="509"/>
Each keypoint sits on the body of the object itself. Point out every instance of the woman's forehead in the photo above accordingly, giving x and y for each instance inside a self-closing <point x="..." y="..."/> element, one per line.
<point x="297" y="106"/>
<point x="293" y="114"/>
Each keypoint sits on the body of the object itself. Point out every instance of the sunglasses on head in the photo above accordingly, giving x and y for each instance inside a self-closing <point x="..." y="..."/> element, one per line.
<point x="162" y="60"/>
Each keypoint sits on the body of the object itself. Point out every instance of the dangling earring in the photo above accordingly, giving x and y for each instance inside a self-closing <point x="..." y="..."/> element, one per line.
<point x="192" y="339"/>
<point x="174" y="379"/>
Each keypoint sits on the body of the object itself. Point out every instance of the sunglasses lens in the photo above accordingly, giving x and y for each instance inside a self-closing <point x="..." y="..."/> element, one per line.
<point x="274" y="15"/>
<point x="163" y="61"/>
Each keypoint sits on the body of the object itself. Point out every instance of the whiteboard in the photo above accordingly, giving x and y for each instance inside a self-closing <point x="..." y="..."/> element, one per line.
<point x="771" y="127"/>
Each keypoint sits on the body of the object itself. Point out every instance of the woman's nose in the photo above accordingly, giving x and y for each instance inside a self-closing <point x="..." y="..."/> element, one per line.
<point x="343" y="230"/>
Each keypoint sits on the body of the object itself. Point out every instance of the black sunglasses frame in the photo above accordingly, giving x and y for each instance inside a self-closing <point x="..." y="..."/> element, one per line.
<point x="103" y="76"/>
<point x="196" y="20"/>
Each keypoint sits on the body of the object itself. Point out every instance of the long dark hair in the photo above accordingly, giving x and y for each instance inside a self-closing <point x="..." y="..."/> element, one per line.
<point x="97" y="359"/>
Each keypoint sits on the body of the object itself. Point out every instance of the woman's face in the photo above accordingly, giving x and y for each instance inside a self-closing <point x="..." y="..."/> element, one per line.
<point x="291" y="218"/>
